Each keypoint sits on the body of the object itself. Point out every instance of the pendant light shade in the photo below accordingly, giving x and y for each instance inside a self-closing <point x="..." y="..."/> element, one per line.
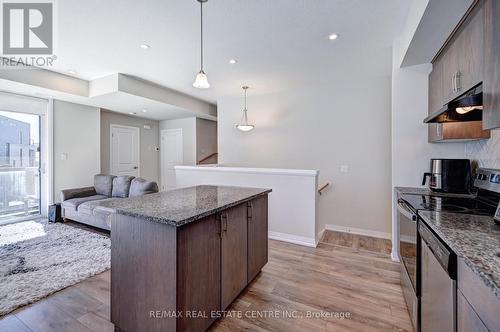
<point x="201" y="81"/>
<point x="244" y="125"/>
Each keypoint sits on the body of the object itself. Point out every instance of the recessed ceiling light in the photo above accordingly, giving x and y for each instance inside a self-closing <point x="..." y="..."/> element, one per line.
<point x="72" y="72"/>
<point x="333" y="36"/>
<point x="145" y="46"/>
<point x="144" y="111"/>
<point x="233" y="61"/>
<point x="132" y="113"/>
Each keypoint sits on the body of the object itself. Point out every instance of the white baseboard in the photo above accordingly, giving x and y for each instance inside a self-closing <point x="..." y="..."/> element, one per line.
<point x="359" y="231"/>
<point x="295" y="239"/>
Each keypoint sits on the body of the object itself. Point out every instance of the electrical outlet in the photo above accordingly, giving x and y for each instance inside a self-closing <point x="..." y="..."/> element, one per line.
<point x="344" y="168"/>
<point x="64" y="156"/>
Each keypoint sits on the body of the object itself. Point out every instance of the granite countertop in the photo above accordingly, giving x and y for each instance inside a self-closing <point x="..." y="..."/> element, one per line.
<point x="474" y="238"/>
<point x="427" y="192"/>
<point x="179" y="207"/>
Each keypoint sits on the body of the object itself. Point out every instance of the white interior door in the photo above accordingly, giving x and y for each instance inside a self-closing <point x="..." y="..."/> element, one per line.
<point x="125" y="150"/>
<point x="171" y="155"/>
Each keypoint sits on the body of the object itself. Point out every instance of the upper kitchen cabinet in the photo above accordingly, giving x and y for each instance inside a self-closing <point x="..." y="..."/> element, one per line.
<point x="491" y="84"/>
<point x="471" y="46"/>
<point x="436" y="97"/>
<point x="463" y="57"/>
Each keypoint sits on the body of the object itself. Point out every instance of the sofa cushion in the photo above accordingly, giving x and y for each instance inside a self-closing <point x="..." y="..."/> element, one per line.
<point x="121" y="186"/>
<point x="77" y="192"/>
<point x="90" y="206"/>
<point x="140" y="187"/>
<point x="75" y="202"/>
<point x="103" y="184"/>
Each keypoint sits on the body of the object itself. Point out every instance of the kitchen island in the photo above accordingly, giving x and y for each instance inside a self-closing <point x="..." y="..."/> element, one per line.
<point x="180" y="257"/>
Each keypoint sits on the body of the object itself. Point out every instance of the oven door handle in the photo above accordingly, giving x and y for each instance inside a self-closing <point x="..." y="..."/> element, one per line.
<point x="405" y="211"/>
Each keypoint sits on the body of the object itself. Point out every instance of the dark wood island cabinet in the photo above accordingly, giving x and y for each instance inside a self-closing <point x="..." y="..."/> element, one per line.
<point x="178" y="258"/>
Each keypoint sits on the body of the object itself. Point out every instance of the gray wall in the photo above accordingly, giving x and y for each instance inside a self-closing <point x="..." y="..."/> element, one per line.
<point x="322" y="125"/>
<point x="206" y="140"/>
<point x="149" y="141"/>
<point x="76" y="146"/>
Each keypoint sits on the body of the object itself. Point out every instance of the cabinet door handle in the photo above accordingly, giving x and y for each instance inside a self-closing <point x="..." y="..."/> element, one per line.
<point x="453" y="84"/>
<point x="249" y="211"/>
<point x="439" y="130"/>
<point x="224" y="222"/>
<point x="457" y="81"/>
<point x="219" y="224"/>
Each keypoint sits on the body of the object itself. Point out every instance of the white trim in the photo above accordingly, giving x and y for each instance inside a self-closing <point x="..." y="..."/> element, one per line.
<point x="162" y="152"/>
<point x="274" y="171"/>
<point x="395" y="257"/>
<point x="21" y="219"/>
<point x="50" y="152"/>
<point x="19" y="103"/>
<point x="113" y="125"/>
<point x="47" y="158"/>
<point x="359" y="231"/>
<point x="295" y="239"/>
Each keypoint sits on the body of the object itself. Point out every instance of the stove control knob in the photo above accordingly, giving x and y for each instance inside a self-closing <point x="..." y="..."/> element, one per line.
<point x="495" y="178"/>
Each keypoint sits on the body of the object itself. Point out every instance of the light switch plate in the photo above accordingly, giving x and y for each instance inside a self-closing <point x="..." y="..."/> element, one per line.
<point x="344" y="168"/>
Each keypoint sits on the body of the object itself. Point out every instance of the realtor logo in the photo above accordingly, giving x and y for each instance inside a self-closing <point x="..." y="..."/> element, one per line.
<point x="27" y="28"/>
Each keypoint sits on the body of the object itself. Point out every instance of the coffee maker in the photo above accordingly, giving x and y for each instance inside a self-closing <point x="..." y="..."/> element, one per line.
<point x="449" y="176"/>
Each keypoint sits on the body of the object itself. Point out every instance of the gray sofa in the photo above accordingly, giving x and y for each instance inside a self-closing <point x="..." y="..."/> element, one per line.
<point x="82" y="204"/>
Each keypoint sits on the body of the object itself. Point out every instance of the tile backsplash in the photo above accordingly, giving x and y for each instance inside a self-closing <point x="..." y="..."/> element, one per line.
<point x="485" y="152"/>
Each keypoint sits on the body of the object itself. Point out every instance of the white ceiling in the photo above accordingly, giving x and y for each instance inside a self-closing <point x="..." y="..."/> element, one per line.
<point x="278" y="43"/>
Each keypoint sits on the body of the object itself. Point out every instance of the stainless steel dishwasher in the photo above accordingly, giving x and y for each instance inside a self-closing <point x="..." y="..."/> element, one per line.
<point x="438" y="283"/>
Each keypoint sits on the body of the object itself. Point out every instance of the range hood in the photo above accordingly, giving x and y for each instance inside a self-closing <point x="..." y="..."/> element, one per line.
<point x="468" y="107"/>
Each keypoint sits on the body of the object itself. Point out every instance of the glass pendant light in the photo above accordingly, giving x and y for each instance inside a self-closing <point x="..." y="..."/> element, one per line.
<point x="201" y="81"/>
<point x="243" y="125"/>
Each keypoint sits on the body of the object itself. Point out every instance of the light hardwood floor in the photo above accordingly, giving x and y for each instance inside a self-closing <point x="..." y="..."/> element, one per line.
<point x="362" y="242"/>
<point x="297" y="280"/>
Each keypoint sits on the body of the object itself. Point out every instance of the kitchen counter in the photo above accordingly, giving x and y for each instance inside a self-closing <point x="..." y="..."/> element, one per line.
<point x="179" y="207"/>
<point x="474" y="238"/>
<point x="427" y="192"/>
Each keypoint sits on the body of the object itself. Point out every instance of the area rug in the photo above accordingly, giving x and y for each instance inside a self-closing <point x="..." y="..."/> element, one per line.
<point x="38" y="258"/>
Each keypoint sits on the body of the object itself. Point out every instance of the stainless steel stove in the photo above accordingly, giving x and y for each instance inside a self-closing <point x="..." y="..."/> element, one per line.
<point x="484" y="202"/>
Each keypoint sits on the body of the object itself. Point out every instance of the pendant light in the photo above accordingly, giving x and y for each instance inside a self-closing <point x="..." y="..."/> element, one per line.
<point x="243" y="125"/>
<point x="201" y="81"/>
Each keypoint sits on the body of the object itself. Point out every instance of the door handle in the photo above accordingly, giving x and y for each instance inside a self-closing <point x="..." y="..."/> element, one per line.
<point x="135" y="167"/>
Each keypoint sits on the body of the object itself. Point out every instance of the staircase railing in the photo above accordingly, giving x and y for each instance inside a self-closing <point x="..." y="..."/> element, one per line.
<point x="206" y="158"/>
<point x="323" y="187"/>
